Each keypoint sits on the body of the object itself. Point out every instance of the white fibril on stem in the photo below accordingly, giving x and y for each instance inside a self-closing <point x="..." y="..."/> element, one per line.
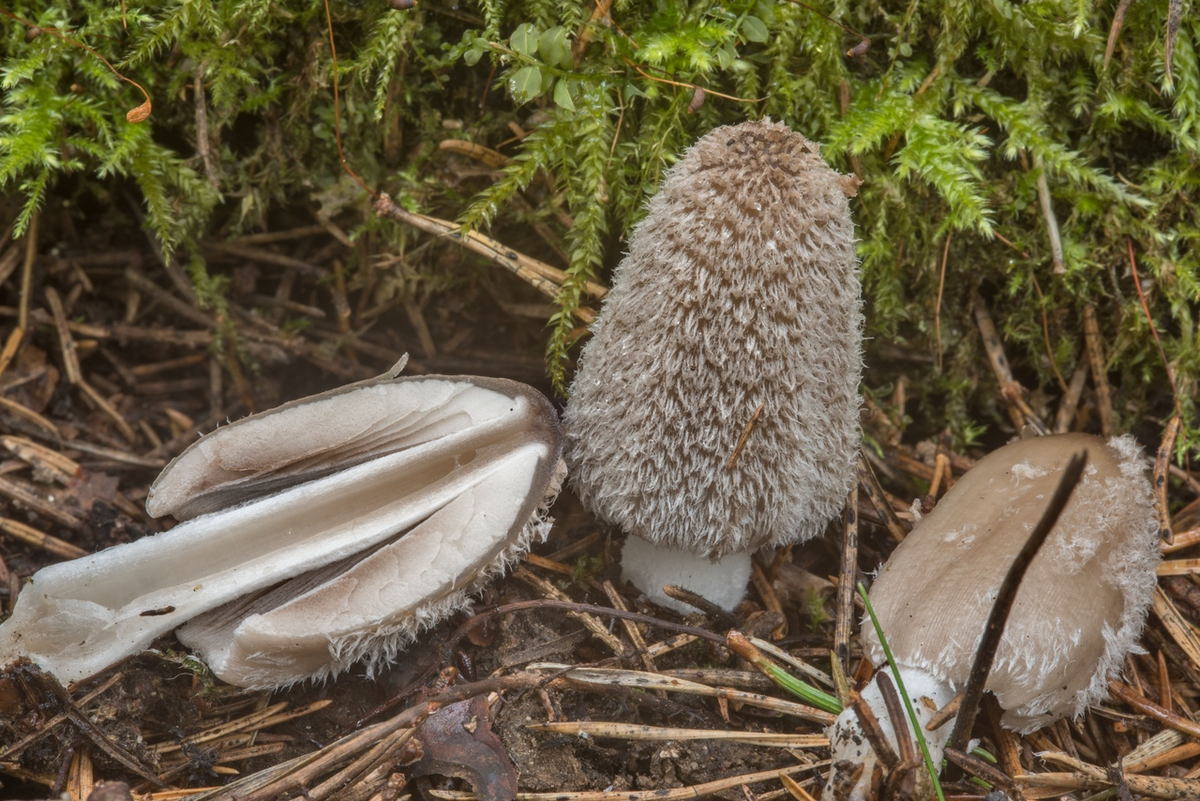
<point x="715" y="409"/>
<point x="1080" y="609"/>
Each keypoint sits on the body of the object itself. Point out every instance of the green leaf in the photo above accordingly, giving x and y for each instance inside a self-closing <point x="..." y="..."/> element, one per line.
<point x="525" y="84"/>
<point x="524" y="39"/>
<point x="471" y="57"/>
<point x="755" y="30"/>
<point x="562" y="95"/>
<point x="555" y="49"/>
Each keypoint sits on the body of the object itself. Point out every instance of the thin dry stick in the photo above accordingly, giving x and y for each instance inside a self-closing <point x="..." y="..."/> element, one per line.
<point x="1069" y="405"/>
<point x="635" y="636"/>
<point x="1046" y="335"/>
<point x="1137" y="283"/>
<point x="1006" y="596"/>
<point x="677" y="794"/>
<point x="14" y="408"/>
<point x="741" y="443"/>
<point x="1162" y="467"/>
<point x="31" y="232"/>
<point x="937" y="309"/>
<point x="1114" y="32"/>
<point x="869" y="483"/>
<point x="39" y="539"/>
<point x="94" y="732"/>
<point x="1148" y="707"/>
<point x="1047" y="204"/>
<point x="10" y="347"/>
<point x="1095" y="352"/>
<point x="540" y="276"/>
<point x="847" y="579"/>
<point x="1009" y="389"/>
<point x="587" y="619"/>
<point x="874" y="731"/>
<point x="768" y="596"/>
<point x="640" y="731"/>
<point x="1181" y="631"/>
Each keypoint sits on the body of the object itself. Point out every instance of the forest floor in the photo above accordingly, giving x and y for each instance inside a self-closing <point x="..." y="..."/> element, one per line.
<point x="111" y="366"/>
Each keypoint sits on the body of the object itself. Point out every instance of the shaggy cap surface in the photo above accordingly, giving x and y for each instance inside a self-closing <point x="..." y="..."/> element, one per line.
<point x="740" y="289"/>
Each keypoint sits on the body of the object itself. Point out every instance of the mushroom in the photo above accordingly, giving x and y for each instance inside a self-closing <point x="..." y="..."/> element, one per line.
<point x="386" y="504"/>
<point x="1078" y="612"/>
<point x="715" y="409"/>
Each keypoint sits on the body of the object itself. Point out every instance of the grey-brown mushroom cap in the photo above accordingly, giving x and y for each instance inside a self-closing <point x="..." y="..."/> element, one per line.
<point x="740" y="288"/>
<point x="1082" y="604"/>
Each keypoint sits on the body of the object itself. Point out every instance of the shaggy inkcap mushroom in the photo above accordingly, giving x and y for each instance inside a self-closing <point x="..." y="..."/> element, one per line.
<point x="740" y="291"/>
<point x="1080" y="608"/>
<point x="386" y="504"/>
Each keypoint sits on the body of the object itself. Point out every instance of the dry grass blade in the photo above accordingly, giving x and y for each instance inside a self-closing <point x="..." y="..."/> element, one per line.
<point x="676" y="794"/>
<point x="1085" y="776"/>
<point x="1095" y="354"/>
<point x="636" y="731"/>
<point x="788" y="659"/>
<point x="1174" y="17"/>
<point x="643" y="680"/>
<point x="256" y="720"/>
<point x="539" y="275"/>
<point x="17" y="410"/>
<point x="40" y="539"/>
<point x="1114" y="32"/>
<point x="1177" y="626"/>
<point x="45" y="508"/>
<point x="1148" y="707"/>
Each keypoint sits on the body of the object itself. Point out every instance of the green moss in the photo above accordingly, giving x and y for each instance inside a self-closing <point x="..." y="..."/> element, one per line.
<point x="951" y="116"/>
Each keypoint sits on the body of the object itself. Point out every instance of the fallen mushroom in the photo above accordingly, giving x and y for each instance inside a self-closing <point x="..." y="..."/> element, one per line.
<point x="715" y="409"/>
<point x="1078" y="612"/>
<point x="386" y="504"/>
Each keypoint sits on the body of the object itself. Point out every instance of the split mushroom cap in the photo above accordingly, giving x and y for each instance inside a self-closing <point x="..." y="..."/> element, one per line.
<point x="1079" y="610"/>
<point x="1082" y="604"/>
<point x="346" y="566"/>
<point x="740" y="291"/>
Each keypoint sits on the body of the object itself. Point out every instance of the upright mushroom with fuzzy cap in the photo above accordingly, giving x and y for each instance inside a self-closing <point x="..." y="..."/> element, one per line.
<point x="715" y="409"/>
<point x="1079" y="610"/>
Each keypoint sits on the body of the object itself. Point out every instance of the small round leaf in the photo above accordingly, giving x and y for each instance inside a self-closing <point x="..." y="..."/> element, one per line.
<point x="525" y="84"/>
<point x="524" y="39"/>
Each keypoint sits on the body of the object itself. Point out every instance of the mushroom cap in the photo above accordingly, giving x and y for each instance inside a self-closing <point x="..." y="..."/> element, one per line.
<point x="1084" y="599"/>
<point x="386" y="505"/>
<point x="740" y="289"/>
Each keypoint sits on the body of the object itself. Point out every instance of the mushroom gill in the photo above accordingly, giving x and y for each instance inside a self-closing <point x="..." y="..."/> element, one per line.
<point x="385" y="505"/>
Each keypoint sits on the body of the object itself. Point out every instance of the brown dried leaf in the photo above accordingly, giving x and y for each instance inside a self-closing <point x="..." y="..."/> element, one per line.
<point x="458" y="741"/>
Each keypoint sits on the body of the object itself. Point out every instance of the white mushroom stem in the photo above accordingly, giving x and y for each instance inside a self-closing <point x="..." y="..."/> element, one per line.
<point x="850" y="747"/>
<point x="651" y="567"/>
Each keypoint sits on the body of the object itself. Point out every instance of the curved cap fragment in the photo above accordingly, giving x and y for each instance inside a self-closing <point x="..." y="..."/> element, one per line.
<point x="1082" y="604"/>
<point x="465" y="467"/>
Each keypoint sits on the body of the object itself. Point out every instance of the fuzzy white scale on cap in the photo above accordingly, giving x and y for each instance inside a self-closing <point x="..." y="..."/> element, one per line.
<point x="740" y="290"/>
<point x="1080" y="608"/>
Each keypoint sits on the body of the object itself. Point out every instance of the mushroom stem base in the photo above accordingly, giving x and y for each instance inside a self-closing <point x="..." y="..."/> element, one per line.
<point x="651" y="567"/>
<point x="850" y="748"/>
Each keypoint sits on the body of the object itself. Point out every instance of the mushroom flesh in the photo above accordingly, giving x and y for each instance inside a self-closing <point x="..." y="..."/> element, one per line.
<point x="1078" y="612"/>
<point x="715" y="409"/>
<point x="386" y="504"/>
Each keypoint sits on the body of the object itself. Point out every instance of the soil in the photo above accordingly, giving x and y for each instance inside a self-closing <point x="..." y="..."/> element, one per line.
<point x="107" y="321"/>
